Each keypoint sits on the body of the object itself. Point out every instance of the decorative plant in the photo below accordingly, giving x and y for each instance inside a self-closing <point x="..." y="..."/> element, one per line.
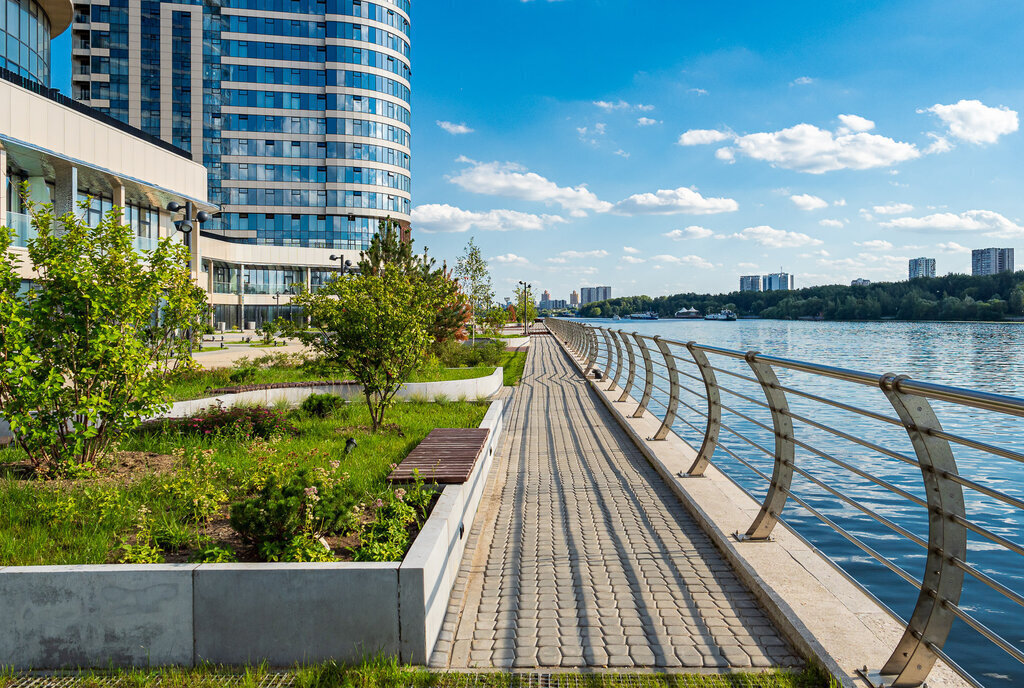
<point x="85" y="353"/>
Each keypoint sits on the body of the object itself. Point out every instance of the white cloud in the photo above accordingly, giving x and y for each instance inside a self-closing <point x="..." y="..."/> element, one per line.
<point x="692" y="261"/>
<point x="940" y="144"/>
<point x="988" y="222"/>
<point x="622" y="105"/>
<point x="975" y="122"/>
<point x="633" y="259"/>
<point x="692" y="232"/>
<point x="630" y="250"/>
<point x="510" y="259"/>
<point x="808" y="202"/>
<point x="435" y="217"/>
<point x="697" y="91"/>
<point x="806" y="148"/>
<point x="953" y="247"/>
<point x="855" y="123"/>
<point x="621" y="153"/>
<point x="803" y="81"/>
<point x="599" y="253"/>
<point x="514" y="181"/>
<point x="874" y="245"/>
<point x="776" y="238"/>
<point x="557" y="261"/>
<point x="831" y="223"/>
<point x="841" y="202"/>
<point x="600" y="128"/>
<point x="699" y="137"/>
<point x="647" y="122"/>
<point x="674" y="201"/>
<point x="747" y="266"/>
<point x="726" y="154"/>
<point x="453" y="128"/>
<point x="893" y="209"/>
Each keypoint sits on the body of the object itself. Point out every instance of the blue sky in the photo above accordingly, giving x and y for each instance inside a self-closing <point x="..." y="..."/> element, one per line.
<point x="663" y="147"/>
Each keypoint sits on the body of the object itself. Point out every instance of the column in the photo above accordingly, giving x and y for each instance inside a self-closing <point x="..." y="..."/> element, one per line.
<point x="3" y="187"/>
<point x="65" y="196"/>
<point x="120" y="199"/>
<point x="241" y="296"/>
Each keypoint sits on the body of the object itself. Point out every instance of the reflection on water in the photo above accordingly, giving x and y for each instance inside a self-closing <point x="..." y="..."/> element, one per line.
<point x="983" y="356"/>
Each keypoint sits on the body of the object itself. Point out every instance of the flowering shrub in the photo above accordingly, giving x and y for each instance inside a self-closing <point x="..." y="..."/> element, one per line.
<point x="243" y="422"/>
<point x="307" y="503"/>
<point x="396" y="512"/>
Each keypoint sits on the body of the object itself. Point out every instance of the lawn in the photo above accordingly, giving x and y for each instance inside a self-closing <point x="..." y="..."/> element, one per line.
<point x="384" y="673"/>
<point x="513" y="363"/>
<point x="163" y="477"/>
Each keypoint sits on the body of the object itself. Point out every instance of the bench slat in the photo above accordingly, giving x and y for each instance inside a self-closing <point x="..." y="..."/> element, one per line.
<point x="445" y="456"/>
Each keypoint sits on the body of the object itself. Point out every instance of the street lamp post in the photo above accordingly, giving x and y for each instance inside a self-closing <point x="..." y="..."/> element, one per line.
<point x="526" y="290"/>
<point x="346" y="265"/>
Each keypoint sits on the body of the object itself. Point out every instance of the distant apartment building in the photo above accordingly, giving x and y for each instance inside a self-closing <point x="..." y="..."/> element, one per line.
<point x="549" y="304"/>
<point x="860" y="282"/>
<point x="921" y="267"/>
<point x="991" y="261"/>
<point x="592" y="294"/>
<point x="574" y="298"/>
<point x="778" y="281"/>
<point x="546" y="296"/>
<point x="750" y="283"/>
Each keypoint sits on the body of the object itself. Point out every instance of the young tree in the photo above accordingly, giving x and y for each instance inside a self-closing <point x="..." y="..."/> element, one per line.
<point x="471" y="270"/>
<point x="494" y="319"/>
<point x="376" y="326"/>
<point x="525" y="299"/>
<point x="389" y="247"/>
<point x="85" y="353"/>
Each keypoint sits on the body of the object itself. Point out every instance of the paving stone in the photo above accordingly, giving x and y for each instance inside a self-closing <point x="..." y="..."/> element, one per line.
<point x="580" y="548"/>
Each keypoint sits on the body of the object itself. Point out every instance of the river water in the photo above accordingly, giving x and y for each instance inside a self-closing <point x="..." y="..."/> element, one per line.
<point x="983" y="356"/>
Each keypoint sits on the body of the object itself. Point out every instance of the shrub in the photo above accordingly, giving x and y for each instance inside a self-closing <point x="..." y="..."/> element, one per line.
<point x="144" y="549"/>
<point x="308" y="502"/>
<point x="321" y="405"/>
<point x="243" y="422"/>
<point x="213" y="554"/>
<point x="243" y="370"/>
<point x="196" y="488"/>
<point x="387" y="537"/>
<point x="302" y="547"/>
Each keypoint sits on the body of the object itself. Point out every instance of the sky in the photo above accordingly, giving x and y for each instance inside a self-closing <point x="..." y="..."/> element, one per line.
<point x="667" y="147"/>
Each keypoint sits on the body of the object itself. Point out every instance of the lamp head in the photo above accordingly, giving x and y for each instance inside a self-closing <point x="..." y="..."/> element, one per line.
<point x="334" y="257"/>
<point x="202" y="216"/>
<point x="174" y="206"/>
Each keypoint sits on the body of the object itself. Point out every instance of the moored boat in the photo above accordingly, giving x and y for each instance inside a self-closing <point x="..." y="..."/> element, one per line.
<point x="647" y="315"/>
<point x="726" y="315"/>
<point x="687" y="314"/>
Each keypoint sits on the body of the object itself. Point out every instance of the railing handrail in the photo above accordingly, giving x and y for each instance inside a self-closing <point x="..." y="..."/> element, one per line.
<point x="941" y="584"/>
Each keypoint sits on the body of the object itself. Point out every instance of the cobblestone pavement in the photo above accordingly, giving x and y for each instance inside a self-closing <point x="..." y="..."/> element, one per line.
<point x="582" y="556"/>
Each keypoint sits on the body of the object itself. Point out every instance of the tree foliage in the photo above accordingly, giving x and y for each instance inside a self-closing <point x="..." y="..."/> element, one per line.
<point x="376" y="326"/>
<point x="952" y="297"/>
<point x="527" y="300"/>
<point x="85" y="353"/>
<point x="475" y="280"/>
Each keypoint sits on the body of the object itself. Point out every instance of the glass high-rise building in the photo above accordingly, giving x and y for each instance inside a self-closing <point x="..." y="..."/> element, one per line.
<point x="299" y="109"/>
<point x="26" y="27"/>
<point x="920" y="267"/>
<point x="991" y="261"/>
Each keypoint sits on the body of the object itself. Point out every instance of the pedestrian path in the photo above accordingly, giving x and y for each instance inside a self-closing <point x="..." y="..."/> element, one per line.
<point x="581" y="556"/>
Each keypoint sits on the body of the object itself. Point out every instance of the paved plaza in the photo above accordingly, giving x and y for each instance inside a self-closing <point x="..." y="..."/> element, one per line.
<point x="581" y="556"/>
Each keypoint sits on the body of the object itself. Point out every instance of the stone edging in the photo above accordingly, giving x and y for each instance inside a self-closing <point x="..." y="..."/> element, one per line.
<point x="285" y="614"/>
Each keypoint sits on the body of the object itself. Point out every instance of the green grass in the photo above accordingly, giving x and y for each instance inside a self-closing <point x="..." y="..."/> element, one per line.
<point x="275" y="345"/>
<point x="450" y="374"/>
<point x="34" y="529"/>
<point x="386" y="673"/>
<point x="513" y="363"/>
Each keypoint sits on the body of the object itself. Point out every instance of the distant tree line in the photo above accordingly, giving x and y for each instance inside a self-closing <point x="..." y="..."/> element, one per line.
<point x="952" y="297"/>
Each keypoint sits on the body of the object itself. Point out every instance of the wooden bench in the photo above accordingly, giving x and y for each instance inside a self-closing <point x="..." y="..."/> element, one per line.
<point x="446" y="456"/>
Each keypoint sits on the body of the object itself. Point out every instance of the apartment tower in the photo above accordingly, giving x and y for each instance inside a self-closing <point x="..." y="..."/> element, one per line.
<point x="991" y="261"/>
<point x="920" y="267"/>
<point x="299" y="109"/>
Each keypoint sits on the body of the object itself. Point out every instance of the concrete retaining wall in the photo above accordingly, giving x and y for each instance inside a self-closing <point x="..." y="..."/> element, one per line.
<point x="182" y="614"/>
<point x="476" y="388"/>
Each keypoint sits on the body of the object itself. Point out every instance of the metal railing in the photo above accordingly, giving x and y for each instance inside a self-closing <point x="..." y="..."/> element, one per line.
<point x="685" y="380"/>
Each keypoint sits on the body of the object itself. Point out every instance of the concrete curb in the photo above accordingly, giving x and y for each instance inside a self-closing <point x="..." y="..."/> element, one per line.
<point x="64" y="617"/>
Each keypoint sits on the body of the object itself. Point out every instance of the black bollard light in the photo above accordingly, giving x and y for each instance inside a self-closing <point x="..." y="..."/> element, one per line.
<point x="350" y="444"/>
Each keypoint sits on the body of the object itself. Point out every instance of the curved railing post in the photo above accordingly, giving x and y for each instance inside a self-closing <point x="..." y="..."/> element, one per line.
<point x="782" y="472"/>
<point x="631" y="373"/>
<point x="931" y="621"/>
<point x="714" y="425"/>
<point x="591" y="336"/>
<point x="618" y="361"/>
<point x="607" y="352"/>
<point x="648" y="376"/>
<point x="673" y="395"/>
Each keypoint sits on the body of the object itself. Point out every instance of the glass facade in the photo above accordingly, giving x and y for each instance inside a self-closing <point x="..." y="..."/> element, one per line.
<point x="25" y="40"/>
<point x="304" y="107"/>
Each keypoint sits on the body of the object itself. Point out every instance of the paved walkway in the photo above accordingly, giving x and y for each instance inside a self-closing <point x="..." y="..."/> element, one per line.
<point x="582" y="556"/>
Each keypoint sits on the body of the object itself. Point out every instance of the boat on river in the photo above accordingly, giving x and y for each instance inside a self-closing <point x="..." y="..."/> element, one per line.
<point x="726" y="315"/>
<point x="687" y="314"/>
<point x="646" y="315"/>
